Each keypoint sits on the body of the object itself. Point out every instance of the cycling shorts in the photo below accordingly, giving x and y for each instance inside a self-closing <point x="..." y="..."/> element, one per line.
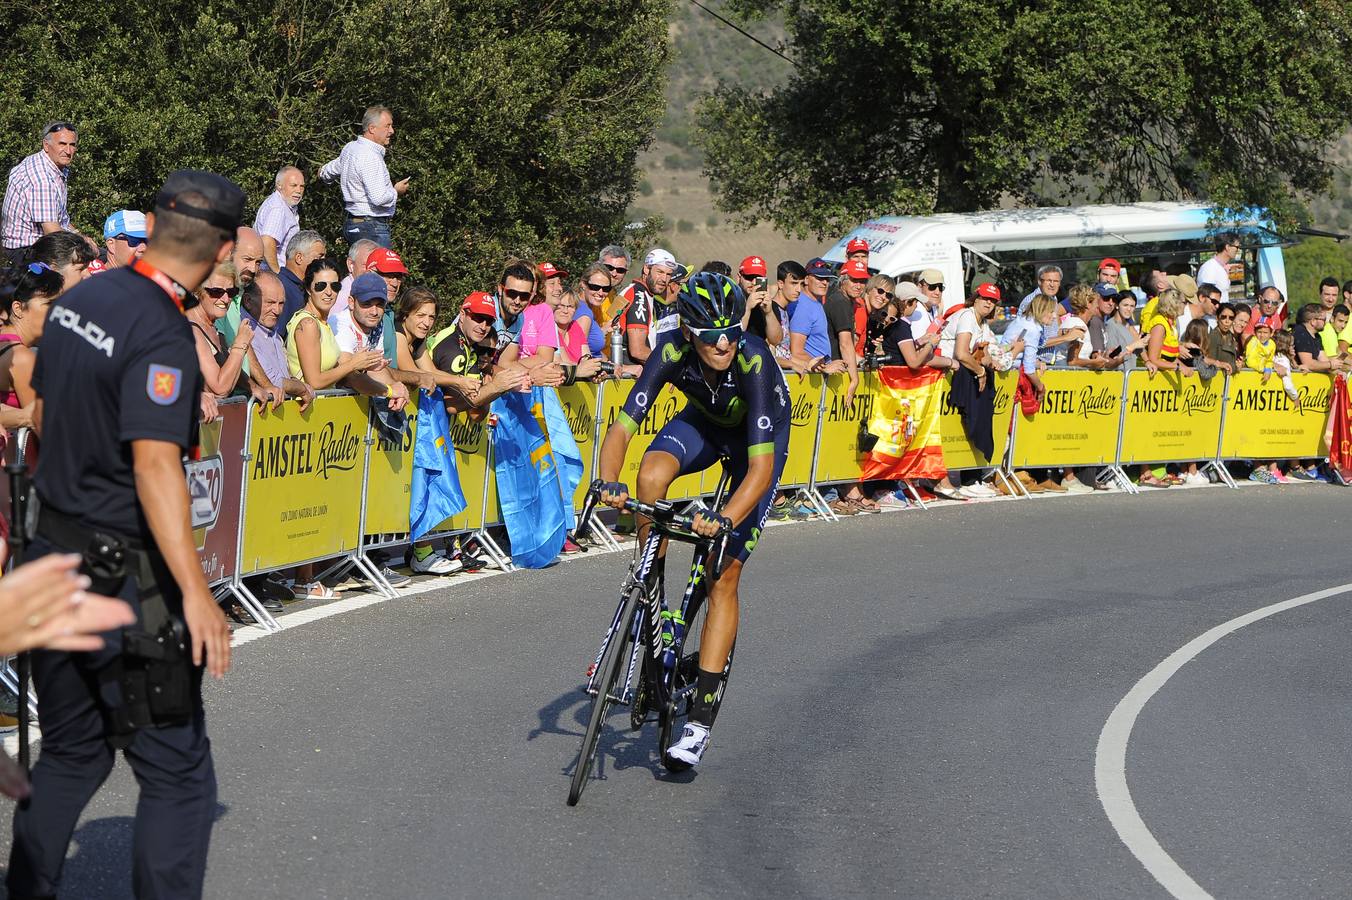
<point x="697" y="444"/>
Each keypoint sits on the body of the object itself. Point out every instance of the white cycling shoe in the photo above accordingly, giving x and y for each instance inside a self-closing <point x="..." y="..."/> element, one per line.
<point x="691" y="747"/>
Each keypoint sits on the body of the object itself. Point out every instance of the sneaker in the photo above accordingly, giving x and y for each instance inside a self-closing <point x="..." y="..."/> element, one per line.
<point x="395" y="579"/>
<point x="571" y="546"/>
<point x="690" y="748"/>
<point x="434" y="564"/>
<point x="469" y="561"/>
<point x="981" y="491"/>
<point x="781" y="512"/>
<point x="1317" y="475"/>
<point x="1299" y="474"/>
<point x="1280" y="477"/>
<point x="892" y="501"/>
<point x="1196" y="478"/>
<point x="1052" y="487"/>
<point x="1263" y="475"/>
<point x="802" y="512"/>
<point x="1076" y="486"/>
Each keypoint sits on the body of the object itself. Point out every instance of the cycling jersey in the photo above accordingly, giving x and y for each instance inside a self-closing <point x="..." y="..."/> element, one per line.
<point x="745" y="415"/>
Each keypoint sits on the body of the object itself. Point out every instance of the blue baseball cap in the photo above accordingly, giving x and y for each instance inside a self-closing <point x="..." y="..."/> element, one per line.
<point x="820" y="268"/>
<point x="369" y="287"/>
<point x="125" y="222"/>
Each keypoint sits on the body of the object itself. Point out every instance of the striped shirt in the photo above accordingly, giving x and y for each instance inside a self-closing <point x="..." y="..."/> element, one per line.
<point x="278" y="220"/>
<point x="361" y="172"/>
<point x="36" y="193"/>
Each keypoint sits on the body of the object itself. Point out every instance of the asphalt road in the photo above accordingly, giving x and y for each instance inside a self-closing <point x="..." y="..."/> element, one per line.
<point x="914" y="713"/>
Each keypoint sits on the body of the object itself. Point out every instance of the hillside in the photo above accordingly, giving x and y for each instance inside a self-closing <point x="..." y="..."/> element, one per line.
<point x="706" y="52"/>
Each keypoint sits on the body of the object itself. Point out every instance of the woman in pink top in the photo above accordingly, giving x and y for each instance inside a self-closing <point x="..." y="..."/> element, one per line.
<point x="26" y="298"/>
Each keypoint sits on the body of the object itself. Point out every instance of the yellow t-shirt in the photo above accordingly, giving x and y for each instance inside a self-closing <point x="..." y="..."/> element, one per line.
<point x="1330" y="338"/>
<point x="1258" y="355"/>
<point x="328" y="344"/>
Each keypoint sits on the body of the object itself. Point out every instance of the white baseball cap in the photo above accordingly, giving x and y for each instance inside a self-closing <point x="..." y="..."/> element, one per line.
<point x="659" y="257"/>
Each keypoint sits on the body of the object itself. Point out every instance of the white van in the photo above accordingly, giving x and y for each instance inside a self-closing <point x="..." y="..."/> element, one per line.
<point x="962" y="245"/>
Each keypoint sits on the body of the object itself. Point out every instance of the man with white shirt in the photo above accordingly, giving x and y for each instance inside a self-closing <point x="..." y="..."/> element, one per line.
<point x="1217" y="269"/>
<point x="277" y="219"/>
<point x="369" y="197"/>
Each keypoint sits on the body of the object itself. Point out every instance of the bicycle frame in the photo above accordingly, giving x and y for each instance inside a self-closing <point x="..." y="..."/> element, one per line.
<point x="659" y="633"/>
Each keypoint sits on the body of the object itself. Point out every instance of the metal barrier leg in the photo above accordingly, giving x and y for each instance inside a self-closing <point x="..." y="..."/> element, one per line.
<point x="1224" y="475"/>
<point x="10" y="679"/>
<point x="495" y="553"/>
<point x="240" y="591"/>
<point x="1012" y="485"/>
<point x="915" y="495"/>
<point x="598" y="530"/>
<point x="362" y="563"/>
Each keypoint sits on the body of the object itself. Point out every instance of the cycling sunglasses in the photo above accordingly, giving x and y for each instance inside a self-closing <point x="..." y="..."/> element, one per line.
<point x="711" y="336"/>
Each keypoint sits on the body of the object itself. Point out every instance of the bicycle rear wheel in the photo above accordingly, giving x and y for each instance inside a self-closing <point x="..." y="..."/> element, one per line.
<point x="607" y="675"/>
<point x="687" y="669"/>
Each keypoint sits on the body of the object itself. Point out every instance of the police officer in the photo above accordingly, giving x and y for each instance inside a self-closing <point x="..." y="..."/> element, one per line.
<point x="118" y="398"/>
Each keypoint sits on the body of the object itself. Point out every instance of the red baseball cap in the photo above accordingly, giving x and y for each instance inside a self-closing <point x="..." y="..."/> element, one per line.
<point x="549" y="270"/>
<point x="1110" y="266"/>
<point x="752" y="265"/>
<point x="386" y="262"/>
<point x="855" y="268"/>
<point x="989" y="291"/>
<point x="856" y="245"/>
<point x="480" y="303"/>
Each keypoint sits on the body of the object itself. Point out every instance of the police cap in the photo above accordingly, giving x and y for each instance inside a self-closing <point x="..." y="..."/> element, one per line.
<point x="224" y="207"/>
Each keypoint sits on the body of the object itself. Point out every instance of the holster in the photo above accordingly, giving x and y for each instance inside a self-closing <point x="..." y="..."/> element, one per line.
<point x="149" y="684"/>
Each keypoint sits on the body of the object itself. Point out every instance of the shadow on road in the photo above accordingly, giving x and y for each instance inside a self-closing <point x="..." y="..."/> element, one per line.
<point x="620" y="747"/>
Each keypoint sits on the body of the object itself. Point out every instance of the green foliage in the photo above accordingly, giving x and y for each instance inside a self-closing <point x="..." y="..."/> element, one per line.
<point x="902" y="106"/>
<point x="1310" y="262"/>
<point x="517" y="142"/>
<point x="684" y="227"/>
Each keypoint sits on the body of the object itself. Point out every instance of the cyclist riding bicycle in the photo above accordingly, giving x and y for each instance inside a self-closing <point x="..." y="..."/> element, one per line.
<point x="737" y="409"/>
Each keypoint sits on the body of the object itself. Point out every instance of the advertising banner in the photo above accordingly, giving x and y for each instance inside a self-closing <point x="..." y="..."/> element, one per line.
<point x="1262" y="422"/>
<point x="304" y="483"/>
<point x="840" y="458"/>
<point x="958" y="451"/>
<point x="805" y="396"/>
<point x="214" y="483"/>
<point x="1171" y="418"/>
<point x="1077" y="424"/>
<point x="662" y="411"/>
<point x="389" y="481"/>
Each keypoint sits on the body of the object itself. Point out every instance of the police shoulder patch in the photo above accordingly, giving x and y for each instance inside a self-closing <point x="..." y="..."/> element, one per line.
<point x="163" y="384"/>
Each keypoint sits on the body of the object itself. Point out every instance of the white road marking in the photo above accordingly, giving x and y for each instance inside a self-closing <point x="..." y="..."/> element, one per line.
<point x="1110" y="759"/>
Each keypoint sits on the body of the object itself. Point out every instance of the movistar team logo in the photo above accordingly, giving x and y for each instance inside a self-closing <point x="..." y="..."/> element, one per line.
<point x="749" y="365"/>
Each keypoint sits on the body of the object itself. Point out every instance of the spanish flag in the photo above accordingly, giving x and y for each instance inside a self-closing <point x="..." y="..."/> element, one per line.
<point x="906" y="423"/>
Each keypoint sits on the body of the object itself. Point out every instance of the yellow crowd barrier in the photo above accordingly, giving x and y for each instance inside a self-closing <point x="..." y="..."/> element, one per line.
<point x="1077" y="424"/>
<point x="276" y="489"/>
<point x="1262" y="422"/>
<point x="303" y="483"/>
<point x="958" y="451"/>
<point x="1167" y="417"/>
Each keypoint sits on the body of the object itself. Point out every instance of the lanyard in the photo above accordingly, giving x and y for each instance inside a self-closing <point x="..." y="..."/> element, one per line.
<point x="171" y="287"/>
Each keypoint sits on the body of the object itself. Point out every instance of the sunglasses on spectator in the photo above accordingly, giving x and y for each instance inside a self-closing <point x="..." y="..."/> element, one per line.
<point x="58" y="126"/>
<point x="936" y="287"/>
<point x="883" y="292"/>
<point x="1225" y="318"/>
<point x="37" y="268"/>
<point x="482" y="319"/>
<point x="596" y="287"/>
<point x="131" y="241"/>
<point x="215" y="293"/>
<point x="517" y="295"/>
<point x="373" y="301"/>
<point x="326" y="286"/>
<point x="1268" y="302"/>
<point x="711" y="336"/>
<point x="616" y="269"/>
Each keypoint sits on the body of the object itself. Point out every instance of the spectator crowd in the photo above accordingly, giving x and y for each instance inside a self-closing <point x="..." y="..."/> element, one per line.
<point x="286" y="315"/>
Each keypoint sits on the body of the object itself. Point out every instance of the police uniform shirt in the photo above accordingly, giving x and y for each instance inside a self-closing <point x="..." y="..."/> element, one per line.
<point x="117" y="365"/>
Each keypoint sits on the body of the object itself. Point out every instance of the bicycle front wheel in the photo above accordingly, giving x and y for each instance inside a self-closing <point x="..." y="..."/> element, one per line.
<point x="613" y="662"/>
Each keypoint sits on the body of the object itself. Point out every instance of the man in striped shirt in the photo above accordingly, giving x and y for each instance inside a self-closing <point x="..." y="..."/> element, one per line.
<point x="368" y="194"/>
<point x="35" y="197"/>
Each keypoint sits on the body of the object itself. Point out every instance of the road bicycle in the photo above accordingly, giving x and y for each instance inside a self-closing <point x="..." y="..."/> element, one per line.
<point x="655" y="647"/>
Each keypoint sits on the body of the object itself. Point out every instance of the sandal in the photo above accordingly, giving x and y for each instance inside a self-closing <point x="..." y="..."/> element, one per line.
<point x="316" y="590"/>
<point x="1151" y="480"/>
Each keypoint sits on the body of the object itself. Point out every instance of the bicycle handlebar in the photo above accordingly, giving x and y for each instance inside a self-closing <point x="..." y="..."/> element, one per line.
<point x="668" y="521"/>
